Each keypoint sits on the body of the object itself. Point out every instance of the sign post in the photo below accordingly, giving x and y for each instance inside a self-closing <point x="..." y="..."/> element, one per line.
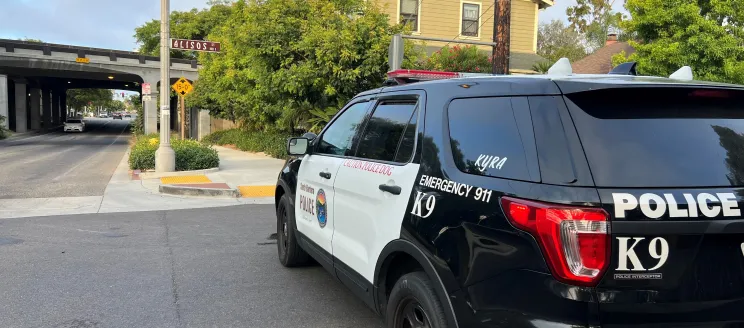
<point x="165" y="157"/>
<point x="182" y="87"/>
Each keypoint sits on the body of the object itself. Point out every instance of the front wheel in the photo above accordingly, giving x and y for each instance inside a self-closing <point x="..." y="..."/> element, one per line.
<point x="290" y="252"/>
<point x="413" y="303"/>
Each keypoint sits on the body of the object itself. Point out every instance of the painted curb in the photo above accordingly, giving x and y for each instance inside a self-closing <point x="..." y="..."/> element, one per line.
<point x="158" y="175"/>
<point x="195" y="191"/>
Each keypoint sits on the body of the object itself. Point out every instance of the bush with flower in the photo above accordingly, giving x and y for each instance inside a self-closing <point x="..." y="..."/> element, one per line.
<point x="458" y="59"/>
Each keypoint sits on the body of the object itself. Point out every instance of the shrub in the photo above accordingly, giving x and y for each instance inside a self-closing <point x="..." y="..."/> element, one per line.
<point x="458" y="59"/>
<point x="4" y="133"/>
<point x="190" y="154"/>
<point x="272" y="144"/>
<point x="138" y="126"/>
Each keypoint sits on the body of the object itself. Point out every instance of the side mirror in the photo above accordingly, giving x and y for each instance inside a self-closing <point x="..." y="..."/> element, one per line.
<point x="298" y="146"/>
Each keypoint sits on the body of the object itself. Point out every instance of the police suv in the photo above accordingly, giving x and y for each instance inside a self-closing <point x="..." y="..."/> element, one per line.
<point x="557" y="200"/>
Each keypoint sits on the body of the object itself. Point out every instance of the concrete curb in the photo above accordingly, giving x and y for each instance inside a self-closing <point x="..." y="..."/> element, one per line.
<point x="196" y="191"/>
<point x="158" y="175"/>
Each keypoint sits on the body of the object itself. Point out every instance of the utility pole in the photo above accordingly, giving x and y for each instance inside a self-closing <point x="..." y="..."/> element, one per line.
<point x="501" y="33"/>
<point x="165" y="157"/>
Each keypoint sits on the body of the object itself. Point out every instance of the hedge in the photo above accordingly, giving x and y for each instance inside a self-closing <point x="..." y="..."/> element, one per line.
<point x="190" y="154"/>
<point x="272" y="144"/>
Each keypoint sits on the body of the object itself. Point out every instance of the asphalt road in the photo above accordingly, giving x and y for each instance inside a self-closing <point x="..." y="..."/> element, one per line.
<point x="212" y="267"/>
<point x="60" y="164"/>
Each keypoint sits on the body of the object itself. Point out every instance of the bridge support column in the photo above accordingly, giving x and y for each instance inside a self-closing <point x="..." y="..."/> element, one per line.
<point x="63" y="105"/>
<point x="35" y="116"/>
<point x="55" y="107"/>
<point x="21" y="107"/>
<point x="151" y="109"/>
<point x="46" y="107"/>
<point x="4" y="100"/>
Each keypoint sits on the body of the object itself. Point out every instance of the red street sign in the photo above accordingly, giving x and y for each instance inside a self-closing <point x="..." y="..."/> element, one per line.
<point x="197" y="45"/>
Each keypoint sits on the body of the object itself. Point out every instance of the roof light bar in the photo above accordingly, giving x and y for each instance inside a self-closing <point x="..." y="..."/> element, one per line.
<point x="405" y="76"/>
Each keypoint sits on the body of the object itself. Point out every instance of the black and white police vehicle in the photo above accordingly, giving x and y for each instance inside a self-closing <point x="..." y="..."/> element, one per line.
<point x="558" y="200"/>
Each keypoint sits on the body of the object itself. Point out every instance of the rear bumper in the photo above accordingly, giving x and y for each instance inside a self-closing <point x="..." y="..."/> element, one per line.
<point x="531" y="299"/>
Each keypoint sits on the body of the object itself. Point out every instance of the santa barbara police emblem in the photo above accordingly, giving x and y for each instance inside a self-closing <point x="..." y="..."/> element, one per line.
<point x="320" y="206"/>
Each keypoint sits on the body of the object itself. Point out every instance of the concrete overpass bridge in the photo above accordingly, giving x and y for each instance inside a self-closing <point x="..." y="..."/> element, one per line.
<point x="34" y="79"/>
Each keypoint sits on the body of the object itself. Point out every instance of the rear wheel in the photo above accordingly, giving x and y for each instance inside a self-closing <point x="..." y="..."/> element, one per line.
<point x="290" y="252"/>
<point x="413" y="303"/>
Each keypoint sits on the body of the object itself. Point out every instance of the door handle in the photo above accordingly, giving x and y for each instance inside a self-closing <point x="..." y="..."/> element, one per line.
<point x="395" y="190"/>
<point x="326" y="175"/>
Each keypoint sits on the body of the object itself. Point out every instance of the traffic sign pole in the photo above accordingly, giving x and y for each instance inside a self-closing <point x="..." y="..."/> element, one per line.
<point x="165" y="157"/>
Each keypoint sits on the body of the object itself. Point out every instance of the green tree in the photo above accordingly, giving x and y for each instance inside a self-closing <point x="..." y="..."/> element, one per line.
<point x="706" y="35"/>
<point x="595" y="19"/>
<point x="300" y="57"/>
<point x="193" y="25"/>
<point x="80" y="98"/>
<point x="555" y="40"/>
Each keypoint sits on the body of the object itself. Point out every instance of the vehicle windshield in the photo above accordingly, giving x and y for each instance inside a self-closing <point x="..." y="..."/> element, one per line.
<point x="663" y="137"/>
<point x="74" y="121"/>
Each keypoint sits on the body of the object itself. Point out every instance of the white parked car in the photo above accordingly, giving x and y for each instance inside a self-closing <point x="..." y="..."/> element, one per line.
<point x="74" y="124"/>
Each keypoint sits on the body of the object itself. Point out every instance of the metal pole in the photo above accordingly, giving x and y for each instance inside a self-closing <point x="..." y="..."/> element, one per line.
<point x="183" y="117"/>
<point x="165" y="157"/>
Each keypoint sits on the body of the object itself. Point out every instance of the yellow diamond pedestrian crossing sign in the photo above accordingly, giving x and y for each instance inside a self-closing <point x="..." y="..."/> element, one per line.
<point x="182" y="86"/>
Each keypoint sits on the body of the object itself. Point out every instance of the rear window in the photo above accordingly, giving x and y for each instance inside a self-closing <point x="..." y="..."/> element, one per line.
<point x="662" y="137"/>
<point x="485" y="139"/>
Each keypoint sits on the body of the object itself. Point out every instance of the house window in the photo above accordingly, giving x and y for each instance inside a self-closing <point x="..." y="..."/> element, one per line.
<point x="409" y="13"/>
<point x="470" y="17"/>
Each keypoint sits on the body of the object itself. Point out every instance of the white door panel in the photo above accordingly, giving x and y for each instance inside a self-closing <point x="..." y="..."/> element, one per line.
<point x="369" y="218"/>
<point x="314" y="211"/>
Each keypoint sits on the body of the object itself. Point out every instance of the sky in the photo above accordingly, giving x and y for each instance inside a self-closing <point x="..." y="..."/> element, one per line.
<point x="558" y="10"/>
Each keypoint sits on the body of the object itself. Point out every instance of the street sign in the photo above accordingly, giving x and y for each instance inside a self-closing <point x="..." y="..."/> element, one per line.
<point x="198" y="45"/>
<point x="146" y="88"/>
<point x="146" y="98"/>
<point x="183" y="86"/>
<point x="82" y="60"/>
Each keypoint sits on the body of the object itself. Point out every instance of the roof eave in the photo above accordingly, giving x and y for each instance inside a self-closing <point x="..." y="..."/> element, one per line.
<point x="542" y="4"/>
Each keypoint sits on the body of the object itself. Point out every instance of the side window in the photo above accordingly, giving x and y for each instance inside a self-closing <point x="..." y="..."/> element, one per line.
<point x="338" y="137"/>
<point x="485" y="139"/>
<point x="389" y="125"/>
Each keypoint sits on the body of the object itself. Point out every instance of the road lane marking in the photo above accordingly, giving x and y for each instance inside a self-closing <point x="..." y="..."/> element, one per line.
<point x="91" y="156"/>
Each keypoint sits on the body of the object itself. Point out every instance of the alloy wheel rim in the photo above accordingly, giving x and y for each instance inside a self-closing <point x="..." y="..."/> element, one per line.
<point x="412" y="315"/>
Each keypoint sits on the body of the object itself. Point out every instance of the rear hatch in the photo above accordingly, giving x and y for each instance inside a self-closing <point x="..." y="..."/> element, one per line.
<point x="668" y="163"/>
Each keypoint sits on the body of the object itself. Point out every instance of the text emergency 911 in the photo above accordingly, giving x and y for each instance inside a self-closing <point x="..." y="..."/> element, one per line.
<point x="456" y="188"/>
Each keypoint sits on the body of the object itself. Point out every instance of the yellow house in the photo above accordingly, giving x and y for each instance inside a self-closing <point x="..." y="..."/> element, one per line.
<point x="471" y="20"/>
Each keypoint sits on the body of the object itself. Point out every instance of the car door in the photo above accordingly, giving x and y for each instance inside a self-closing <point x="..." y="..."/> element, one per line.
<point x="314" y="199"/>
<point x="374" y="187"/>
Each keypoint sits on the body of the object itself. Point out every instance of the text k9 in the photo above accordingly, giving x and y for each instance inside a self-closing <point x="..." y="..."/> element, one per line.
<point x="627" y="253"/>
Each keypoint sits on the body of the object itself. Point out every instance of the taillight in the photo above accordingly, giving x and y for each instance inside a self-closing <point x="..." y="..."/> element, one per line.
<point x="574" y="240"/>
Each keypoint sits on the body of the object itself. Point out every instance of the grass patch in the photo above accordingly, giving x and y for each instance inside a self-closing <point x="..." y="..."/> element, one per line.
<point x="272" y="144"/>
<point x="190" y="154"/>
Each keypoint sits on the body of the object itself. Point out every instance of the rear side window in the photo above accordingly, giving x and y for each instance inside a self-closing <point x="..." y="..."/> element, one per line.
<point x="389" y="133"/>
<point x="485" y="139"/>
<point x="662" y="137"/>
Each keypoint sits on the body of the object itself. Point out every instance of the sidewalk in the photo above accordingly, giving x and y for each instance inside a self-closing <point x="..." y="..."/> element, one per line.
<point x="241" y="175"/>
<point x="254" y="174"/>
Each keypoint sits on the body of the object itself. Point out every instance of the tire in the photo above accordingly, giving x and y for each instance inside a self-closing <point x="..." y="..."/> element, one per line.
<point x="413" y="302"/>
<point x="289" y="251"/>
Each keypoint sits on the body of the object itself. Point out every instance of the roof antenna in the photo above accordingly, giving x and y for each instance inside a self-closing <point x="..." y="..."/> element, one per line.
<point x="628" y="68"/>
<point x="561" y="67"/>
<point x="684" y="73"/>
